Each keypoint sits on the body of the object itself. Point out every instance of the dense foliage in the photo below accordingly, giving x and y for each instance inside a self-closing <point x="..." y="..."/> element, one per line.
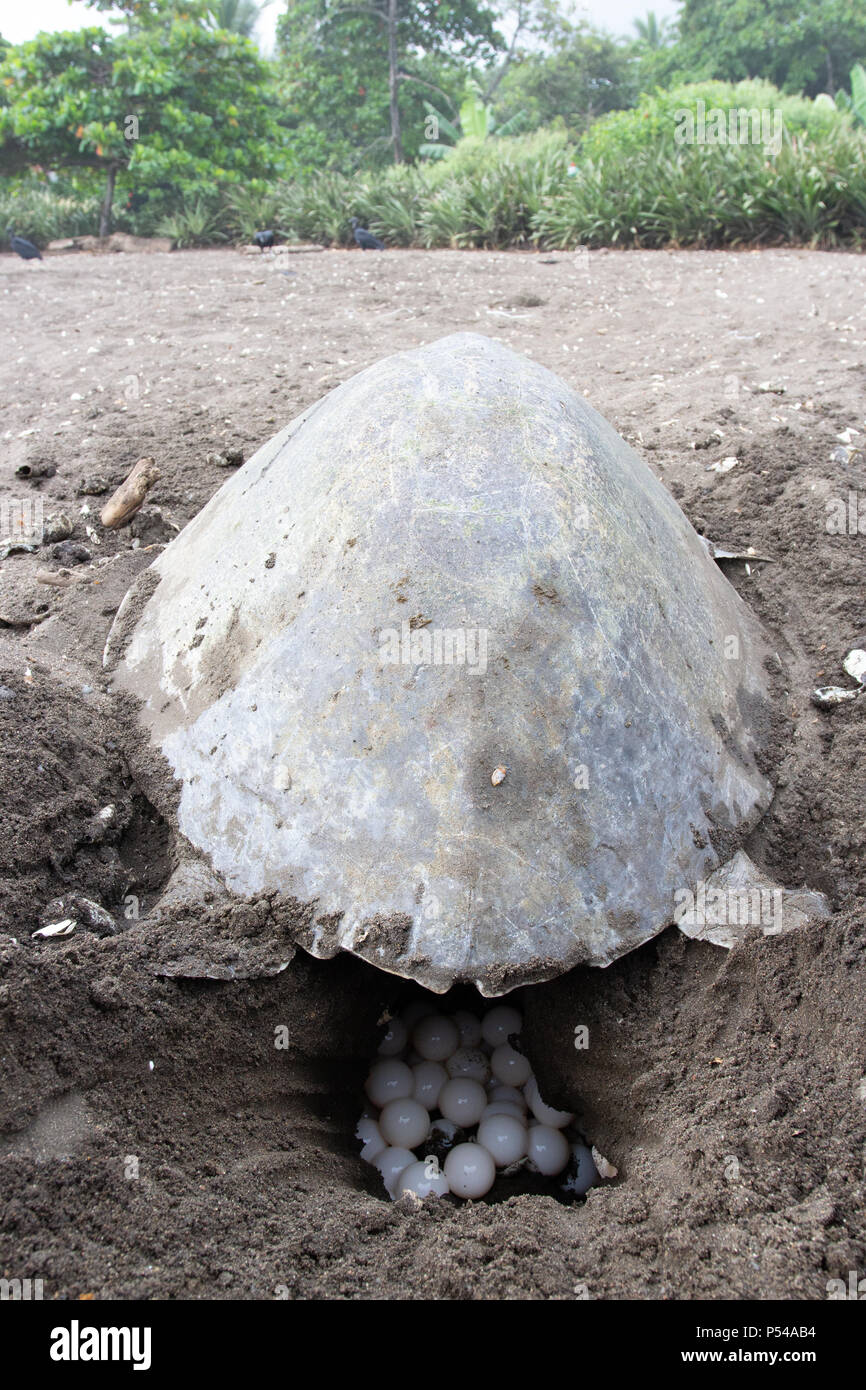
<point x="804" y="47"/>
<point x="440" y="123"/>
<point x="188" y="112"/>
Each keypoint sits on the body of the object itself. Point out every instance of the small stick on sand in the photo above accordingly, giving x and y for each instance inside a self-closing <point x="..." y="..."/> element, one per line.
<point x="125" y="502"/>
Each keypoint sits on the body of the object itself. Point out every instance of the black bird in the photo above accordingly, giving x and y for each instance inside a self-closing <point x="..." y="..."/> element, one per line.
<point x="365" y="239"/>
<point x="22" y="247"/>
<point x="263" y="239"/>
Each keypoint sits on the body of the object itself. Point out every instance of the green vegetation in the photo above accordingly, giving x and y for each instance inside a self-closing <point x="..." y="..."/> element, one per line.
<point x="356" y="76"/>
<point x="808" y="47"/>
<point x="476" y="123"/>
<point x="441" y="123"/>
<point x="175" y="108"/>
<point x="853" y="101"/>
<point x="813" y="191"/>
<point x="652" y="123"/>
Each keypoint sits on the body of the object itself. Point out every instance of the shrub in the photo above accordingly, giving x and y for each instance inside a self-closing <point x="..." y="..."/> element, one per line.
<point x="629" y="184"/>
<point x="42" y="215"/>
<point x="813" y="191"/>
<point x="653" y="121"/>
<point x="200" y="224"/>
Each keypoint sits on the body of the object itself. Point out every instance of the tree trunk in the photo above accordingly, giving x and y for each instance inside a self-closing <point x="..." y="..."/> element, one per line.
<point x="394" y="82"/>
<point x="506" y="62"/>
<point x="105" y="210"/>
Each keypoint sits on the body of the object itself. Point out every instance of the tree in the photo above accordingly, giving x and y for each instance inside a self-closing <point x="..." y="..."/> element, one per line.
<point x="334" y="50"/>
<point x="237" y="16"/>
<point x="808" y="46"/>
<point x="579" y="75"/>
<point x="651" y="32"/>
<point x="476" y="123"/>
<point x="189" y="112"/>
<point x="538" y="19"/>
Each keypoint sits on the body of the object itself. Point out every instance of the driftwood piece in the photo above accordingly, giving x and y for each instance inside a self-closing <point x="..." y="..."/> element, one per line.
<point x="125" y="502"/>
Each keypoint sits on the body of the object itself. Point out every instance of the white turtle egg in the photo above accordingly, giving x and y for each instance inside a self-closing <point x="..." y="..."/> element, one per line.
<point x="404" y="1123"/>
<point x="500" y="1092"/>
<point x="430" y="1077"/>
<point x="435" y="1037"/>
<point x="469" y="1028"/>
<point x="463" y="1101"/>
<point x="469" y="1168"/>
<point x="391" y="1163"/>
<point x="394" y="1040"/>
<point x="414" y="1011"/>
<point x="582" y="1172"/>
<point x="422" y="1178"/>
<point x="469" y="1061"/>
<point x="548" y="1149"/>
<point x="509" y="1066"/>
<point x="498" y="1024"/>
<point x="390" y="1079"/>
<point x="504" y="1137"/>
<point x="371" y="1138"/>
<point x="545" y="1114"/>
<point x="506" y="1107"/>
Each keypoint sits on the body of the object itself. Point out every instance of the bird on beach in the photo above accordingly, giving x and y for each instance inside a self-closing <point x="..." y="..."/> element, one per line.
<point x="365" y="239"/>
<point x="263" y="239"/>
<point x="22" y="247"/>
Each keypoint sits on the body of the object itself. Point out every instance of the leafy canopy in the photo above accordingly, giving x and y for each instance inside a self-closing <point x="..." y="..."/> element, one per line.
<point x="806" y="46"/>
<point x="193" y="108"/>
<point x="333" y="64"/>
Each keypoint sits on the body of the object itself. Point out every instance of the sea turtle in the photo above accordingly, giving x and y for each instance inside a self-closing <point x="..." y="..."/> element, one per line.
<point x="445" y="660"/>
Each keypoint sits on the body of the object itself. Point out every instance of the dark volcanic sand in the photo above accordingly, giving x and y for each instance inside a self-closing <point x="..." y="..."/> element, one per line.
<point x="728" y="1088"/>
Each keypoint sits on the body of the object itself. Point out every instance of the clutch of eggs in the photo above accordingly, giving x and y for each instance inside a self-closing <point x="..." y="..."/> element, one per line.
<point x="452" y="1101"/>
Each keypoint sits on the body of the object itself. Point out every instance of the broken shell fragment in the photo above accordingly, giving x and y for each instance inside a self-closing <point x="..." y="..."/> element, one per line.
<point x="828" y="696"/>
<point x="83" y="912"/>
<point x="57" y="527"/>
<point x="724" y="552"/>
<point x="65" y="927"/>
<point x="855" y="665"/>
<point x="229" y="458"/>
<point x="93" y="485"/>
<point x="498" y="775"/>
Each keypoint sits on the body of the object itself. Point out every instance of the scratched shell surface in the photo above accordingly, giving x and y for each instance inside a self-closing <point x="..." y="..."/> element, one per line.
<point x="451" y="565"/>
